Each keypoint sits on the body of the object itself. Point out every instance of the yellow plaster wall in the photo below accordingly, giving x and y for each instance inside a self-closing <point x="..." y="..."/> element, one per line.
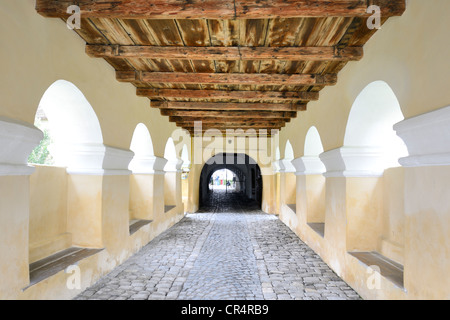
<point x="290" y="181"/>
<point x="14" y="215"/>
<point x="48" y="212"/>
<point x="84" y="210"/>
<point x="141" y="196"/>
<point x="392" y="239"/>
<point x="364" y="207"/>
<point x="427" y="227"/>
<point x="315" y="197"/>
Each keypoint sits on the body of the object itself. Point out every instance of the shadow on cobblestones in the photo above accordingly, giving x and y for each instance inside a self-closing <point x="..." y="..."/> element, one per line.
<point x="228" y="250"/>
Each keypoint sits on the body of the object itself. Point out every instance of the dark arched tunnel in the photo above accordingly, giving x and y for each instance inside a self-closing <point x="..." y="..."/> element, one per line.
<point x="246" y="187"/>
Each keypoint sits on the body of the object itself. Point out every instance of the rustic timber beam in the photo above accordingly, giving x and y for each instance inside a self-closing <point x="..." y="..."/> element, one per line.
<point x="224" y="129"/>
<point x="226" y="78"/>
<point x="218" y="9"/>
<point x="221" y="94"/>
<point x="228" y="114"/>
<point x="226" y="122"/>
<point x="228" y="106"/>
<point x="235" y="126"/>
<point x="229" y="119"/>
<point x="227" y="53"/>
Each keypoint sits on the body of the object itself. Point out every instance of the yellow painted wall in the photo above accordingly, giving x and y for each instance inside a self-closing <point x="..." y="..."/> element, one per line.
<point x="48" y="212"/>
<point x="315" y="198"/>
<point x="14" y="215"/>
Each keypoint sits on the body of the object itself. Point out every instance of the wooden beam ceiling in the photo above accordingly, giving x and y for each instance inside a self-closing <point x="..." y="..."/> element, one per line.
<point x="218" y="9"/>
<point x="288" y="96"/>
<point x="180" y="105"/>
<point x="227" y="53"/>
<point x="227" y="78"/>
<point x="228" y="114"/>
<point x="227" y="63"/>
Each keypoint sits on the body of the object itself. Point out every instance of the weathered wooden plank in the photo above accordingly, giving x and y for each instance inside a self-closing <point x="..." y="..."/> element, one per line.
<point x="180" y="105"/>
<point x="223" y="94"/>
<point x="242" y="124"/>
<point x="227" y="53"/>
<point x="229" y="114"/>
<point x="214" y="120"/>
<point x="227" y="78"/>
<point x="218" y="9"/>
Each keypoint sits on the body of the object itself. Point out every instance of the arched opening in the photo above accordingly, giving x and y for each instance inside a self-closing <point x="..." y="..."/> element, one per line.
<point x="72" y="125"/>
<point x="371" y="152"/>
<point x="314" y="181"/>
<point x="142" y="146"/>
<point x="172" y="185"/>
<point x="242" y="174"/>
<point x="288" y="151"/>
<point x="141" y="181"/>
<point x="370" y="125"/>
<point x="289" y="188"/>
<point x="72" y="141"/>
<point x="224" y="180"/>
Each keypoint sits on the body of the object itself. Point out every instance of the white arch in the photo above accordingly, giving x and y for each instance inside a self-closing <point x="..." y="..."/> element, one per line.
<point x="185" y="157"/>
<point x="72" y="122"/>
<point x="141" y="143"/>
<point x="71" y="118"/>
<point x="313" y="143"/>
<point x="288" y="151"/>
<point x="142" y="146"/>
<point x="170" y="154"/>
<point x="371" y="120"/>
<point x="277" y="153"/>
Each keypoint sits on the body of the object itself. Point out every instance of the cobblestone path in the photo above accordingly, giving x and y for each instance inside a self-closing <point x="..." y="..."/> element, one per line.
<point x="223" y="252"/>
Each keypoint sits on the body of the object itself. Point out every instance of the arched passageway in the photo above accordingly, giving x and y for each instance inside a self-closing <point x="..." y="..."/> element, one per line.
<point x="244" y="180"/>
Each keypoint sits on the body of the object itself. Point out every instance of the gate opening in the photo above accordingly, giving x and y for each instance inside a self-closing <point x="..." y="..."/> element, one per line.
<point x="229" y="177"/>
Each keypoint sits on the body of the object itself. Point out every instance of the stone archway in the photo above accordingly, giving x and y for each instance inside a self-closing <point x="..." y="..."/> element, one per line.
<point x="248" y="171"/>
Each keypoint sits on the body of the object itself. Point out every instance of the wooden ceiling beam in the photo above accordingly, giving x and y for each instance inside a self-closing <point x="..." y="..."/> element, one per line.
<point x="218" y="9"/>
<point x="235" y="125"/>
<point x="228" y="114"/>
<point x="227" y="53"/>
<point x="223" y="129"/>
<point x="226" y="120"/>
<point x="228" y="106"/>
<point x="226" y="78"/>
<point x="222" y="94"/>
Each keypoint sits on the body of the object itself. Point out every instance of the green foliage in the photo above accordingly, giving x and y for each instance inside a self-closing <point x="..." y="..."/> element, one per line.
<point x="40" y="154"/>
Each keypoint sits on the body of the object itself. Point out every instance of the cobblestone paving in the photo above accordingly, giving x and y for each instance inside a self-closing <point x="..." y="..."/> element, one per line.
<point x="223" y="252"/>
